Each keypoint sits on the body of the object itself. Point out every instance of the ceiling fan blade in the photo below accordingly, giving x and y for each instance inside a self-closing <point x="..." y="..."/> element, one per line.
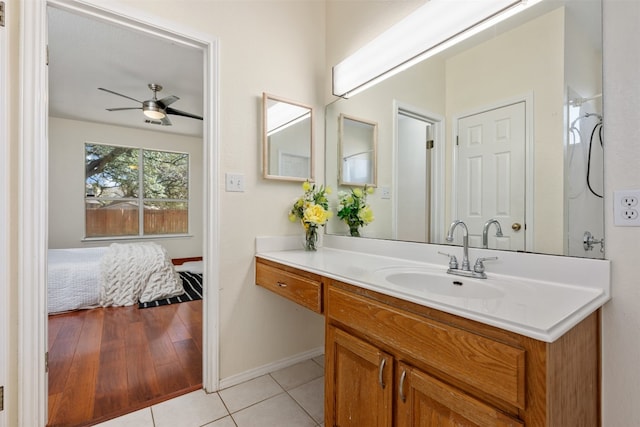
<point x="168" y="100"/>
<point x="119" y="94"/>
<point x="165" y="121"/>
<point x="182" y="113"/>
<point x="124" y="108"/>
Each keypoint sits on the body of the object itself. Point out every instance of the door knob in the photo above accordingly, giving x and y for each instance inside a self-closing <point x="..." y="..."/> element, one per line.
<point x="516" y="226"/>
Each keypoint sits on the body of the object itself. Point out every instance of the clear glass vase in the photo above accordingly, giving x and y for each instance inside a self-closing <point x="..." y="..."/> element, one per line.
<point x="311" y="238"/>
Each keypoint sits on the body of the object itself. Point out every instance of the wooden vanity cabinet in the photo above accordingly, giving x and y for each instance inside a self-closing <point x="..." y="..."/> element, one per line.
<point x="296" y="285"/>
<point x="389" y="362"/>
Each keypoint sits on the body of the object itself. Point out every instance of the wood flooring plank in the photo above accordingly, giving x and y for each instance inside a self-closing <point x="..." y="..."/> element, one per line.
<point x="112" y="375"/>
<point x="171" y="377"/>
<point x="191" y="360"/>
<point x="160" y="344"/>
<point x="141" y="376"/>
<point x="62" y="351"/>
<point x="76" y="402"/>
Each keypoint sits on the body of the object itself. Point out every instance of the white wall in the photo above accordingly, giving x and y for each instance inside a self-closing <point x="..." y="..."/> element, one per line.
<point x="265" y="46"/>
<point x="621" y="316"/>
<point x="66" y="180"/>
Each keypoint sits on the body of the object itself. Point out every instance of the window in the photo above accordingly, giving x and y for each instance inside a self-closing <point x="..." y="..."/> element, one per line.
<point x="119" y="180"/>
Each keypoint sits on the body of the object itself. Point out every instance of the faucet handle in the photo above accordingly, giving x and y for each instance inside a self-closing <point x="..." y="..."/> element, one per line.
<point x="479" y="265"/>
<point x="453" y="261"/>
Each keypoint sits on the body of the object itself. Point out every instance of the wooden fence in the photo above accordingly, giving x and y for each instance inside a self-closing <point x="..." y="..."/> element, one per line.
<point x="124" y="222"/>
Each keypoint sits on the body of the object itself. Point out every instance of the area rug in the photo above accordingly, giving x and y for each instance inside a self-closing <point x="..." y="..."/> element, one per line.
<point x="192" y="283"/>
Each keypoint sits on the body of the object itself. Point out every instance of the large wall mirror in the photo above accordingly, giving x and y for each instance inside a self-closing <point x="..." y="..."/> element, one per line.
<point x="506" y="125"/>
<point x="287" y="136"/>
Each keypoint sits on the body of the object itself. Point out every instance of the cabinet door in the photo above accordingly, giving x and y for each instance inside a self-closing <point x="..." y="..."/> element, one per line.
<point x="359" y="382"/>
<point x="424" y="401"/>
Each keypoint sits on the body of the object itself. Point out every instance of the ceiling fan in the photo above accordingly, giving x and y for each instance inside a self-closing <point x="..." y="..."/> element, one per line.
<point x="156" y="110"/>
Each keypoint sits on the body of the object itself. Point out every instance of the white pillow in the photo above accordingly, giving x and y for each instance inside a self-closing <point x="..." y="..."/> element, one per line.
<point x="191" y="266"/>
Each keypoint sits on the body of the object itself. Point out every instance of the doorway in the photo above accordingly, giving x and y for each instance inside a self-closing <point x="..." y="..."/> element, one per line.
<point x="418" y="203"/>
<point x="489" y="170"/>
<point x="33" y="203"/>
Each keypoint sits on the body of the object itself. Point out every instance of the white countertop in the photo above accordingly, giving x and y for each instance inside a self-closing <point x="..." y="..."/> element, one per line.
<point x="540" y="309"/>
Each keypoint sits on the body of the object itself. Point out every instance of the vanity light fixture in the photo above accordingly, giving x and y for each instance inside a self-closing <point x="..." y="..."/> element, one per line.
<point x="429" y="30"/>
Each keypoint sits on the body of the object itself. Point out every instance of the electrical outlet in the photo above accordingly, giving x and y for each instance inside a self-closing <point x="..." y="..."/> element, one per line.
<point x="625" y="208"/>
<point x="234" y="182"/>
<point x="386" y="193"/>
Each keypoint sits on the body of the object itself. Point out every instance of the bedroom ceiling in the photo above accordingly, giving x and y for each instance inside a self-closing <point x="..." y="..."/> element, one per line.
<point x="85" y="54"/>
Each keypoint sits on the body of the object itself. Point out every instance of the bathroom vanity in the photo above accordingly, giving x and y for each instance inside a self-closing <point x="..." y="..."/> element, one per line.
<point x="398" y="356"/>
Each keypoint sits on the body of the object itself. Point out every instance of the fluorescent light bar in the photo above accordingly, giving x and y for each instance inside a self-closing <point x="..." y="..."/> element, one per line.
<point x="431" y="29"/>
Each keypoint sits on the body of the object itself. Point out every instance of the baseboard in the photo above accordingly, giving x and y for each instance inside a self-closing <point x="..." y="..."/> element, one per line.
<point x="270" y="367"/>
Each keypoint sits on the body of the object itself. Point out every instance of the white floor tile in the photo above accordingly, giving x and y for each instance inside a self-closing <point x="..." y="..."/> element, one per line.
<point x="248" y="393"/>
<point x="224" y="422"/>
<point x="311" y="397"/>
<point x="278" y="411"/>
<point x="298" y="374"/>
<point x="190" y="410"/>
<point x="319" y="360"/>
<point x="141" y="418"/>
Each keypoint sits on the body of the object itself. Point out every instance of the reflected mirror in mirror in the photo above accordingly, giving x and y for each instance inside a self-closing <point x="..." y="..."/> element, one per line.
<point x="516" y="119"/>
<point x="287" y="139"/>
<point x="358" y="142"/>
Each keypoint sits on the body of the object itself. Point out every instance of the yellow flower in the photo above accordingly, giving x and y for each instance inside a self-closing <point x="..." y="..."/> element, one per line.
<point x="357" y="192"/>
<point x="306" y="186"/>
<point x="327" y="190"/>
<point x="315" y="214"/>
<point x="292" y="217"/>
<point x="366" y="215"/>
<point x="370" y="190"/>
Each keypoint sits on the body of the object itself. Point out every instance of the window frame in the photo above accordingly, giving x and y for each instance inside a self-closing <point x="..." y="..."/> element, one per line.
<point x="140" y="199"/>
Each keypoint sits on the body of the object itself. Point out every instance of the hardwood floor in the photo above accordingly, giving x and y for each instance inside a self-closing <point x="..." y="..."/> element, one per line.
<point x="106" y="362"/>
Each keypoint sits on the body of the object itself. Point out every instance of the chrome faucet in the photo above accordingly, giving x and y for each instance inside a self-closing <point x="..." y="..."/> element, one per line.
<point x="465" y="270"/>
<point x="485" y="232"/>
<point x="465" y="242"/>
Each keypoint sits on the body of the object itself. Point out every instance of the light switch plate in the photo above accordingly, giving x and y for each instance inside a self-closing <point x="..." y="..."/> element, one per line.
<point x="234" y="182"/>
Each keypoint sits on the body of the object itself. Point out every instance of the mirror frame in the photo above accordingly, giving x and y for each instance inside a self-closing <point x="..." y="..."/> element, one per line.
<point x="374" y="150"/>
<point x="265" y="141"/>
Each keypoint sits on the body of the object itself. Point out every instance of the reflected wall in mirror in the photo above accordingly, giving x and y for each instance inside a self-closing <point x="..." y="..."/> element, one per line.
<point x="358" y="151"/>
<point x="546" y="63"/>
<point x="287" y="139"/>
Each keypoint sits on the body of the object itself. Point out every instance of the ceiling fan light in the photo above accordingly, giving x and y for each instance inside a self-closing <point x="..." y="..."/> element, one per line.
<point x="152" y="110"/>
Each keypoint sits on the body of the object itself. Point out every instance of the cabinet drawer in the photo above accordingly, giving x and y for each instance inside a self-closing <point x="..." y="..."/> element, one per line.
<point x="304" y="291"/>
<point x="487" y="365"/>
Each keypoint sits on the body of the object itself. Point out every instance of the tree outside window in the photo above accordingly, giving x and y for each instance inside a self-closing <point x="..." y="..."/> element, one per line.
<point x="121" y="180"/>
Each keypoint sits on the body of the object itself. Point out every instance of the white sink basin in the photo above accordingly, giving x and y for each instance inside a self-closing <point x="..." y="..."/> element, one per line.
<point x="416" y="280"/>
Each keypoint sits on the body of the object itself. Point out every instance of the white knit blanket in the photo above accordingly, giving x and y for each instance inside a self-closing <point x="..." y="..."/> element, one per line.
<point x="135" y="272"/>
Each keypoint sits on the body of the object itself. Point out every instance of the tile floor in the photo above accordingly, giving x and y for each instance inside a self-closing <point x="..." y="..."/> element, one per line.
<point x="290" y="397"/>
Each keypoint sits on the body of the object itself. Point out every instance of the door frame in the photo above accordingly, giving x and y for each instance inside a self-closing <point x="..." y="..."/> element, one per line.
<point x="33" y="191"/>
<point x="437" y="169"/>
<point x="5" y="192"/>
<point x="528" y="152"/>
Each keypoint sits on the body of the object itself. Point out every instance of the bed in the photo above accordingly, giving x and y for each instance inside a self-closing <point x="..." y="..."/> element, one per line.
<point x="121" y="274"/>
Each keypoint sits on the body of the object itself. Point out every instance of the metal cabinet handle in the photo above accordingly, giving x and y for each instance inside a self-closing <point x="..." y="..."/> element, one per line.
<point x="281" y="284"/>
<point x="380" y="371"/>
<point x="403" y="377"/>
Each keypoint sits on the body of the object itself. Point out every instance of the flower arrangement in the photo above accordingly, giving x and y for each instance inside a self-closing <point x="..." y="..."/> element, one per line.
<point x="312" y="210"/>
<point x="354" y="210"/>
